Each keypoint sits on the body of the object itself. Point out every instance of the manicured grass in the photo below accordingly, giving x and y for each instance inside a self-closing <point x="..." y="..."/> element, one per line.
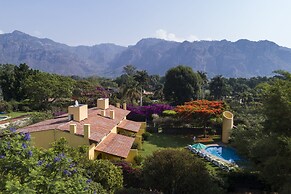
<point x="157" y="141"/>
<point x="17" y="114"/>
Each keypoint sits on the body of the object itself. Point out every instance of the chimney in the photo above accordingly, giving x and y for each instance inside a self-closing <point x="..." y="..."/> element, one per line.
<point x="112" y="114"/>
<point x="78" y="113"/>
<point x="103" y="103"/>
<point x="73" y="128"/>
<point x="103" y="113"/>
<point x="87" y="131"/>
<point x="124" y="106"/>
<point x="118" y="105"/>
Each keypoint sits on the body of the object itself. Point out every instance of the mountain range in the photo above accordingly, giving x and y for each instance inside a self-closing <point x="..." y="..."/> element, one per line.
<point x="243" y="58"/>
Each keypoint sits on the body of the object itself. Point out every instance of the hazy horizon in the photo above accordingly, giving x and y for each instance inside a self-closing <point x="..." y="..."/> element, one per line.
<point x="126" y="22"/>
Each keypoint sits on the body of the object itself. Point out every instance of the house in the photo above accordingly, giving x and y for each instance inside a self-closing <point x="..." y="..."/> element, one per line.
<point x="104" y="129"/>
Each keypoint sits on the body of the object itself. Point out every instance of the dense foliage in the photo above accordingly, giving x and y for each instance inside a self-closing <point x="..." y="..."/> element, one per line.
<point x="61" y="169"/>
<point x="268" y="145"/>
<point x="148" y="111"/>
<point x="177" y="171"/>
<point x="181" y="85"/>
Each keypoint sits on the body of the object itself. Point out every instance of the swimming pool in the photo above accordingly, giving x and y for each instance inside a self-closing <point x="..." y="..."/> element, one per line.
<point x="3" y="118"/>
<point x="223" y="152"/>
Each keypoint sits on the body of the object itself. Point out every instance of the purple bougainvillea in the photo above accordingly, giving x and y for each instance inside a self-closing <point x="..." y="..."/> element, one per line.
<point x="148" y="111"/>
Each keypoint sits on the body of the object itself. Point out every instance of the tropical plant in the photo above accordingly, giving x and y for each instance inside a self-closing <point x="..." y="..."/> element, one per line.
<point x="201" y="112"/>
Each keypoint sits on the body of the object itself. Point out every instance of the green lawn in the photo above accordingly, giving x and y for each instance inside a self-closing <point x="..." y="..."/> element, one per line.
<point x="17" y="114"/>
<point x="157" y="141"/>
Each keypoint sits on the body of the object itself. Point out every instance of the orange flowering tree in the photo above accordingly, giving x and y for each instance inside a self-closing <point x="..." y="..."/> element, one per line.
<point x="200" y="111"/>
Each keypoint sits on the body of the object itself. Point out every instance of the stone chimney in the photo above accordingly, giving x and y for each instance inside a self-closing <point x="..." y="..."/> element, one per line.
<point x="73" y="128"/>
<point x="103" y="113"/>
<point x="86" y="131"/>
<point x="124" y="106"/>
<point x="112" y="114"/>
<point x="103" y="103"/>
<point x="78" y="113"/>
<point x="118" y="105"/>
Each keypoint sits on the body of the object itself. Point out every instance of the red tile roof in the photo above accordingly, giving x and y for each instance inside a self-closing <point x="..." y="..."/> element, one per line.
<point x="115" y="144"/>
<point x="100" y="126"/>
<point x="129" y="125"/>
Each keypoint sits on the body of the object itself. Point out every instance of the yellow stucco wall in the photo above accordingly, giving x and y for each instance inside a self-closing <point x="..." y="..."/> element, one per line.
<point x="91" y="152"/>
<point x="101" y="155"/>
<point x="138" y="140"/>
<point x="44" y="139"/>
<point x="131" y="155"/>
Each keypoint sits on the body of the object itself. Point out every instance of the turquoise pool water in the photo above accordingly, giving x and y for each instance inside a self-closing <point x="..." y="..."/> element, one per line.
<point x="225" y="153"/>
<point x="3" y="117"/>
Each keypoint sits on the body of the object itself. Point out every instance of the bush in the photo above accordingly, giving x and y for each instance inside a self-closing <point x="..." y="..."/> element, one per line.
<point x="132" y="177"/>
<point x="134" y="145"/>
<point x="138" y="159"/>
<point x="40" y="116"/>
<point x="169" y="112"/>
<point x="5" y="106"/>
<point x="177" y="171"/>
<point x="14" y="105"/>
<point x="145" y="136"/>
<point x="25" y="109"/>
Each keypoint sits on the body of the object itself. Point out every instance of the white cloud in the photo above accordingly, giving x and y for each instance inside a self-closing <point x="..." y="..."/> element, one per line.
<point x="1" y="32"/>
<point x="163" y="34"/>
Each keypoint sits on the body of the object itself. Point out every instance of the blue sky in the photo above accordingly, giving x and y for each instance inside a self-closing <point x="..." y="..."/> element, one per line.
<point x="124" y="22"/>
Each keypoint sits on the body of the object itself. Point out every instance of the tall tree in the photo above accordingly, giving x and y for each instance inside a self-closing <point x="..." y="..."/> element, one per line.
<point x="218" y="87"/>
<point x="269" y="146"/>
<point x="45" y="88"/>
<point x="204" y="83"/>
<point x="7" y="80"/>
<point x="142" y="78"/>
<point x="12" y="79"/>
<point x="181" y="84"/>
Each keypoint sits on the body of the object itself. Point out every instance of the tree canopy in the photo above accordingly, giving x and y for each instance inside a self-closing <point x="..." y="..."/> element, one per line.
<point x="268" y="145"/>
<point x="177" y="171"/>
<point x="181" y="84"/>
<point x="60" y="169"/>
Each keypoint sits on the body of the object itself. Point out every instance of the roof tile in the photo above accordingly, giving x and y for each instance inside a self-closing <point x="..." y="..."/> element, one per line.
<point x="115" y="144"/>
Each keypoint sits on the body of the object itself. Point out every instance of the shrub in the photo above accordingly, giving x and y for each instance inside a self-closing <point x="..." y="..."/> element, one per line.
<point x="169" y="112"/>
<point x="25" y="109"/>
<point x="5" y="106"/>
<point x="145" y="136"/>
<point x="40" y="116"/>
<point x="138" y="159"/>
<point x="132" y="177"/>
<point x="14" y="105"/>
<point x="177" y="171"/>
<point x="134" y="145"/>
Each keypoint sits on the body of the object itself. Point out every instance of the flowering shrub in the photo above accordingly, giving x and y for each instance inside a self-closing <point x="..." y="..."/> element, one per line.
<point x="132" y="176"/>
<point x="148" y="111"/>
<point x="25" y="169"/>
<point x="201" y="112"/>
<point x="201" y="108"/>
